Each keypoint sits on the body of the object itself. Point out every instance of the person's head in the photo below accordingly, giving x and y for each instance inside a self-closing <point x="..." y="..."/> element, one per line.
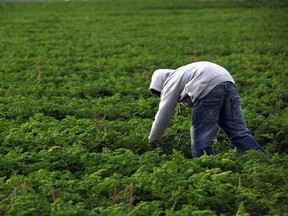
<point x="157" y="81"/>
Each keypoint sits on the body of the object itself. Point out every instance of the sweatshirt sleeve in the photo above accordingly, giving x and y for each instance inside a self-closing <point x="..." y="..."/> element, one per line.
<point x="169" y="98"/>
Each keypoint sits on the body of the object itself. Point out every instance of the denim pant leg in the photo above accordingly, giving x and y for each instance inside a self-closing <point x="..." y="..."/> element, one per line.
<point x="205" y="116"/>
<point x="232" y="122"/>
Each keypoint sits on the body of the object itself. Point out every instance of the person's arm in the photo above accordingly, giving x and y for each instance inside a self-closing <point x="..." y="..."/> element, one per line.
<point x="216" y="132"/>
<point x="169" y="99"/>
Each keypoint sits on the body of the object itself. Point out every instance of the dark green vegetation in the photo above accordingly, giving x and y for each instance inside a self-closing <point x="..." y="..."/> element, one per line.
<point x="75" y="111"/>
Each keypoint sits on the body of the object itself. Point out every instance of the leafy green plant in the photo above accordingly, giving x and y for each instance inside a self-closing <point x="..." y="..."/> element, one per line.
<point x="75" y="109"/>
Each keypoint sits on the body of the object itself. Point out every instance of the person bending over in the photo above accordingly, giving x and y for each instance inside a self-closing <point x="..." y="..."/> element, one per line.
<point x="210" y="90"/>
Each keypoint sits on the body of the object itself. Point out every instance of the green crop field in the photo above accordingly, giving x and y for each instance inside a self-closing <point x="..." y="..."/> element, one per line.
<point x="75" y="111"/>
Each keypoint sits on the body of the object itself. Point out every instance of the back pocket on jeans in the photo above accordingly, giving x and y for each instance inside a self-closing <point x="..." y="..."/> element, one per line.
<point x="210" y="111"/>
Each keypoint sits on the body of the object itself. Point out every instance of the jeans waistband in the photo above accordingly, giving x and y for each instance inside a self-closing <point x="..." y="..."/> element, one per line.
<point x="226" y="83"/>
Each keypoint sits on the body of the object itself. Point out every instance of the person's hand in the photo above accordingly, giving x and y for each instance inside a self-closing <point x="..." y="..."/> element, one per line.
<point x="216" y="132"/>
<point x="154" y="144"/>
<point x="162" y="147"/>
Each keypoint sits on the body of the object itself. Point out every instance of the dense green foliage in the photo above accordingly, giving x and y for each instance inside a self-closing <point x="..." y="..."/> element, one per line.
<point x="75" y="110"/>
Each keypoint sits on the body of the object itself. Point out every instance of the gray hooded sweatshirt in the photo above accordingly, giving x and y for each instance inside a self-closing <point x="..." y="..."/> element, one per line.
<point x="186" y="85"/>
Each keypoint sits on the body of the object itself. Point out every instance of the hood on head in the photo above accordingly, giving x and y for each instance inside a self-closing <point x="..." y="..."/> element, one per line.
<point x="157" y="81"/>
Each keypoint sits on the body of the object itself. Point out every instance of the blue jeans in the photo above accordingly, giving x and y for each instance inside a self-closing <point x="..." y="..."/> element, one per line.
<point x="220" y="108"/>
